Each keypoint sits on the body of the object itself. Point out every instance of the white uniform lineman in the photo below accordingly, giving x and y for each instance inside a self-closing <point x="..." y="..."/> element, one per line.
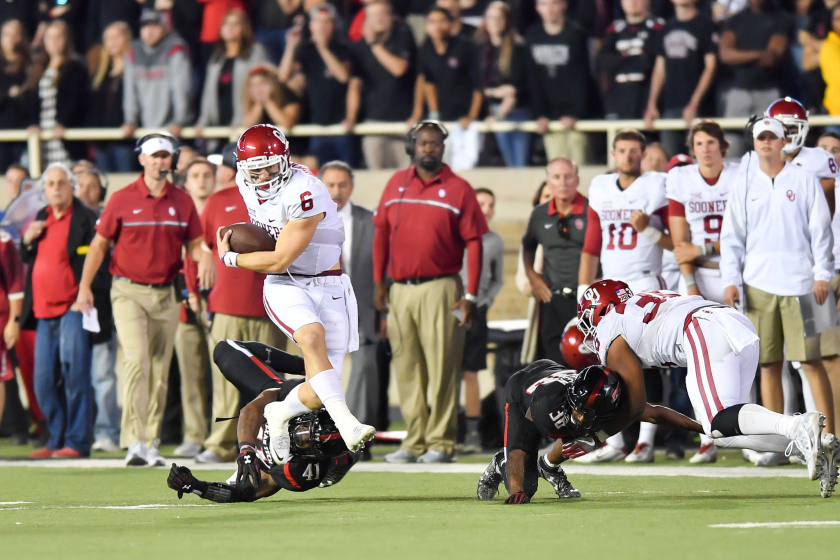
<point x="718" y="345"/>
<point x="703" y="206"/>
<point x="624" y="253"/>
<point x="308" y="292"/>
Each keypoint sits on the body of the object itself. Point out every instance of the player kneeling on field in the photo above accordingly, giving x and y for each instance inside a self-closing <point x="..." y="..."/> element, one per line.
<point x="310" y="454"/>
<point x="546" y="400"/>
<point x="720" y="348"/>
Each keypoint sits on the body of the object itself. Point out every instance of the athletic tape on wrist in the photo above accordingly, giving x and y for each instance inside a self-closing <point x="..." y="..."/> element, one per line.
<point x="229" y="259"/>
<point x="652" y="233"/>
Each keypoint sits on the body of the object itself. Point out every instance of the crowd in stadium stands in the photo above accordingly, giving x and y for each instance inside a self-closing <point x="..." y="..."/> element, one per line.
<point x="174" y="63"/>
<point x="169" y="64"/>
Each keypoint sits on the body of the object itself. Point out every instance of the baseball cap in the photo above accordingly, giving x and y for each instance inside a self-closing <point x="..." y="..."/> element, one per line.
<point x="227" y="157"/>
<point x="325" y="7"/>
<point x="678" y="161"/>
<point x="769" y="125"/>
<point x="157" y="144"/>
<point x="151" y="16"/>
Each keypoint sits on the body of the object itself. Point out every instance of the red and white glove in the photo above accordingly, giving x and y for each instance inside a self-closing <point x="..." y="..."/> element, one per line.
<point x="581" y="446"/>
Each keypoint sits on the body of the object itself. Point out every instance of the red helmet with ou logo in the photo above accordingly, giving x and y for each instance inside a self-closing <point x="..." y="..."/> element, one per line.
<point x="577" y="355"/>
<point x="795" y="118"/>
<point x="597" y="301"/>
<point x="258" y="151"/>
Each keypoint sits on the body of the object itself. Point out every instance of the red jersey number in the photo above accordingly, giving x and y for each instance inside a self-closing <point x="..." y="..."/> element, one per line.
<point x="656" y="298"/>
<point x="712" y="224"/>
<point x="624" y="234"/>
<point x="306" y="204"/>
<point x="832" y="165"/>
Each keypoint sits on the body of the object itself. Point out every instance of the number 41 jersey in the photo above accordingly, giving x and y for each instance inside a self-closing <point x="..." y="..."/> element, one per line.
<point x="625" y="254"/>
<point x="652" y="324"/>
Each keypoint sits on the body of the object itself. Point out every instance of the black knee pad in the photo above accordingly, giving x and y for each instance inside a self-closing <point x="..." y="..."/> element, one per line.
<point x="725" y="422"/>
<point x="653" y="385"/>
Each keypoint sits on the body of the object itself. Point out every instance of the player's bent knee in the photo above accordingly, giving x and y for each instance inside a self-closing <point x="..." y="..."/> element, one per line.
<point x="725" y="422"/>
<point x="311" y="337"/>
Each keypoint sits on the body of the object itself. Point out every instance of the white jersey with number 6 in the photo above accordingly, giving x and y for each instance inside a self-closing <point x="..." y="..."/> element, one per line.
<point x="625" y="254"/>
<point x="303" y="197"/>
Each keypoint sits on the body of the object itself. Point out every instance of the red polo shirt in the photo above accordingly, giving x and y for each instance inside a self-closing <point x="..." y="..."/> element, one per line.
<point x="11" y="276"/>
<point x="148" y="232"/>
<point x="54" y="286"/>
<point x="423" y="228"/>
<point x="237" y="291"/>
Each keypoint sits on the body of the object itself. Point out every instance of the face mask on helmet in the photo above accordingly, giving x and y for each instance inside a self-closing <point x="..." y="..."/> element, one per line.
<point x="593" y="397"/>
<point x="796" y="132"/>
<point x="262" y="160"/>
<point x="315" y="436"/>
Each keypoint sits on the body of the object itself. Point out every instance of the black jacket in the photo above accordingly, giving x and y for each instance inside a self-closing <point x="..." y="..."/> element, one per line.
<point x="71" y="103"/>
<point x="82" y="231"/>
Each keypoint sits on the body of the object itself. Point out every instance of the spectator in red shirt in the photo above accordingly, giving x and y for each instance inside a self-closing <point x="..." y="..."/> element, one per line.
<point x="11" y="301"/>
<point x="150" y="221"/>
<point x="54" y="246"/>
<point x="237" y="307"/>
<point x="426" y="218"/>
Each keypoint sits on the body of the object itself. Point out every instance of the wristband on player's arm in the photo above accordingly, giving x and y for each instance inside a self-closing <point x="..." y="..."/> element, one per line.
<point x="707" y="249"/>
<point x="690" y="280"/>
<point x="229" y="259"/>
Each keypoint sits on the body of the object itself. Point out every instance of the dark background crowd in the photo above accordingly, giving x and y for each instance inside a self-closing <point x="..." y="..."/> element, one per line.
<point x="174" y="63"/>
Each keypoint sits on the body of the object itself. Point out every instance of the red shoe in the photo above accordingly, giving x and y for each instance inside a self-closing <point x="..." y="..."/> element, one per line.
<point x="66" y="453"/>
<point x="41" y="454"/>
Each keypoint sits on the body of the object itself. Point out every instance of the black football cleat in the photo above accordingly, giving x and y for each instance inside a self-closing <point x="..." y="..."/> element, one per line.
<point x="557" y="478"/>
<point x="488" y="484"/>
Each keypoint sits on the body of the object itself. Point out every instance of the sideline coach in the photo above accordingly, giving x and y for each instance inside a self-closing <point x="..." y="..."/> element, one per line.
<point x="149" y="222"/>
<point x="425" y="220"/>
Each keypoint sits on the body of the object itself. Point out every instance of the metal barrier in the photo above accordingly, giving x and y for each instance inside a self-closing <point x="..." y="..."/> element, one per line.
<point x="611" y="128"/>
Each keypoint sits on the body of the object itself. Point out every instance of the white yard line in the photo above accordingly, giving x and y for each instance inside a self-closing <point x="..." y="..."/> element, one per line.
<point x="776" y="525"/>
<point x="452" y="468"/>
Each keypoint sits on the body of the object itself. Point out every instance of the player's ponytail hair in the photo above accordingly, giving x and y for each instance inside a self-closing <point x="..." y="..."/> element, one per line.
<point x="711" y="128"/>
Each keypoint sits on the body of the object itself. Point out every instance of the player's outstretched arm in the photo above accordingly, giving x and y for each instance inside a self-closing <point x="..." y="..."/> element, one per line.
<point x="515" y="468"/>
<point x="623" y="361"/>
<point x="291" y="243"/>
<point x="665" y="416"/>
<point x="182" y="481"/>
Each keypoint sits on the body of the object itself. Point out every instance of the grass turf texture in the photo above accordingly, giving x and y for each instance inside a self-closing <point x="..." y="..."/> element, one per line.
<point x="406" y="516"/>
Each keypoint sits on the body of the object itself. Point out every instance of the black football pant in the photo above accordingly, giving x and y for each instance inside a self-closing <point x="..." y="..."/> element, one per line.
<point x="520" y="434"/>
<point x="253" y="367"/>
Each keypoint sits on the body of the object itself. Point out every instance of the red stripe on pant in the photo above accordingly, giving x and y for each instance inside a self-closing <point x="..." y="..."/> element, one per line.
<point x="506" y="422"/>
<point x="705" y="351"/>
<point x="697" y="372"/>
<point x="276" y="318"/>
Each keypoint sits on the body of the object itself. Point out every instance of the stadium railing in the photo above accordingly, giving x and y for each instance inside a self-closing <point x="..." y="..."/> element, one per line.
<point x="610" y="127"/>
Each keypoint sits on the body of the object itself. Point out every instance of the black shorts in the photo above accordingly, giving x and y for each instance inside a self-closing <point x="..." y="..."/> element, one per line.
<point x="475" y="342"/>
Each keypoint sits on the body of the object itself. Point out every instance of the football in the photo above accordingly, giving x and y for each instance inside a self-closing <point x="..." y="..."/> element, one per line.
<point x="248" y="238"/>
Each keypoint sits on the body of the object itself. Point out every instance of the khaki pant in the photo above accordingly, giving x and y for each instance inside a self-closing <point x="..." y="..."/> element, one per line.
<point x="191" y="352"/>
<point x="428" y="346"/>
<point x="830" y="340"/>
<point x="145" y="319"/>
<point x="222" y="438"/>
<point x="569" y="143"/>
<point x="778" y="320"/>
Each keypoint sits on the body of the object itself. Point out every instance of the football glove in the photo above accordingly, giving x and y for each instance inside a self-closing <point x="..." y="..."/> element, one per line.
<point x="518" y="498"/>
<point x="182" y="480"/>
<point x="580" y="446"/>
<point x="247" y="468"/>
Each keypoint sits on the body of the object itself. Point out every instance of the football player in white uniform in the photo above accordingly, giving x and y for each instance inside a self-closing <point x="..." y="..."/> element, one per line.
<point x="720" y="348"/>
<point x="697" y="200"/>
<point x="624" y="232"/>
<point x="305" y="293"/>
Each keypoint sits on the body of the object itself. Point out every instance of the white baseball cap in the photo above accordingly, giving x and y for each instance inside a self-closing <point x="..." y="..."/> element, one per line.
<point x="157" y="144"/>
<point x="769" y="124"/>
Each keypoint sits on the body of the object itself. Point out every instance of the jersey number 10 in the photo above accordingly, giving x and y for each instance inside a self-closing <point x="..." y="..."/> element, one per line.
<point x="620" y="233"/>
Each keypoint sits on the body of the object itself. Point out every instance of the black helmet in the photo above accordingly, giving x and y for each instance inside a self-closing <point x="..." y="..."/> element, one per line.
<point x="593" y="397"/>
<point x="314" y="436"/>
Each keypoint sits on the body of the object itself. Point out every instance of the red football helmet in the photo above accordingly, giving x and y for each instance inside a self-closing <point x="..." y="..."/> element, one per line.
<point x="577" y="356"/>
<point x="795" y="118"/>
<point x="262" y="158"/>
<point x="597" y="301"/>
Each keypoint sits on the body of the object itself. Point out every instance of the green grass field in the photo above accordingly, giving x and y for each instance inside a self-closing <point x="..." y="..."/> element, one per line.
<point x="78" y="513"/>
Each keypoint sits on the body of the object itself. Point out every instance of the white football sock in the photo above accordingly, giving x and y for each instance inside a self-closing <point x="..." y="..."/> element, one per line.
<point x="755" y="420"/>
<point x="278" y="413"/>
<point x="327" y="385"/>
<point x="294" y="405"/>
<point x="647" y="433"/>
<point x="765" y="443"/>
<point x="616" y="441"/>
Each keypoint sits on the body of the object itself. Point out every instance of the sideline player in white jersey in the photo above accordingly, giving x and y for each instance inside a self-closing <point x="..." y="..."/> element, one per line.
<point x="624" y="232"/>
<point x="305" y="293"/>
<point x="720" y="348"/>
<point x="697" y="196"/>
